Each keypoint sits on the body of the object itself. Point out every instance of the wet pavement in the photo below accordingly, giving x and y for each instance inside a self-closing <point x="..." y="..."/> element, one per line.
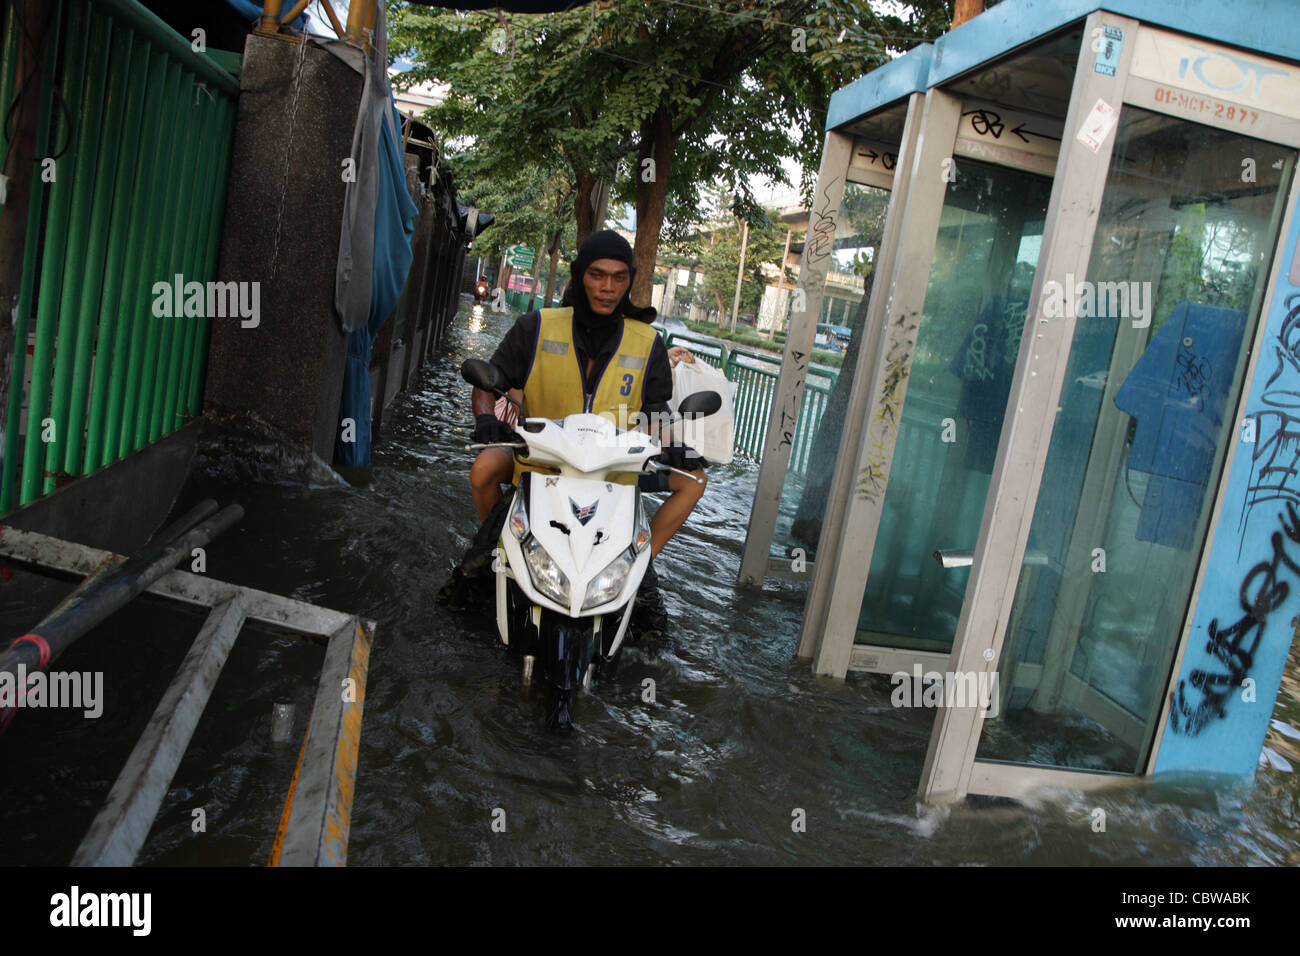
<point x="739" y="742"/>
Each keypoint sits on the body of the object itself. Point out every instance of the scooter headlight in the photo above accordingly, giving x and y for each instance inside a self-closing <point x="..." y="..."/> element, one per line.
<point x="607" y="585"/>
<point x="546" y="574"/>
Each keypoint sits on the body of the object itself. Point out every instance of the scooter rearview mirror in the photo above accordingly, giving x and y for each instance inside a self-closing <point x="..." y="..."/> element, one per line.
<point x="482" y="375"/>
<point x="699" y="404"/>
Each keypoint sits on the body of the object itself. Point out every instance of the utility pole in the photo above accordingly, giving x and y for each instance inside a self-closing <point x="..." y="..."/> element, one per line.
<point x="740" y="274"/>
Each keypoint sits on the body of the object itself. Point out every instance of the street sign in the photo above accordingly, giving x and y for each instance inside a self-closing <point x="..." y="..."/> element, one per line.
<point x="521" y="257"/>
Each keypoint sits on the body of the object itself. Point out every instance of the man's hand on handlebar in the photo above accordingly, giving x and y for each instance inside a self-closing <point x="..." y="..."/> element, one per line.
<point x="488" y="430"/>
<point x="681" y="456"/>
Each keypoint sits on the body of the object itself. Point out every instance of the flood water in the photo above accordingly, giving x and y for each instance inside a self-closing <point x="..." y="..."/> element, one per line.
<point x="738" y="739"/>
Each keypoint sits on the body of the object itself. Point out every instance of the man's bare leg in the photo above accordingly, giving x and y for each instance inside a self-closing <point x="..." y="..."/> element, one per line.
<point x="492" y="468"/>
<point x="672" y="514"/>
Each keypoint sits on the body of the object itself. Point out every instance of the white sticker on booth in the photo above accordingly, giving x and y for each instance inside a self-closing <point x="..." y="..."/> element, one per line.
<point x="1097" y="125"/>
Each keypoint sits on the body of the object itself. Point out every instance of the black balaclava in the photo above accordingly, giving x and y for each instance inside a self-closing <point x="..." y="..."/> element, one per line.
<point x="594" y="328"/>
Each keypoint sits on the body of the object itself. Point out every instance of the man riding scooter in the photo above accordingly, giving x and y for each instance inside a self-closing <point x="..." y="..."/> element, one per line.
<point x="596" y="353"/>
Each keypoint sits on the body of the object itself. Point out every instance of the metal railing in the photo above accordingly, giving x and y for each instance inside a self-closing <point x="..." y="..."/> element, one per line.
<point x="127" y="194"/>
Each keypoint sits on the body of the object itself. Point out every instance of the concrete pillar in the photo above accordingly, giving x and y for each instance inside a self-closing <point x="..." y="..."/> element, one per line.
<point x="289" y="368"/>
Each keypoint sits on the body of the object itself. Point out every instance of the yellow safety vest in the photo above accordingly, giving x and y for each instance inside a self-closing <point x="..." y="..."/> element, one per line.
<point x="554" y="386"/>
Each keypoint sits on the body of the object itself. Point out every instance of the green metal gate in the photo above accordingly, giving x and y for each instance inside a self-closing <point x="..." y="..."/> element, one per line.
<point x="128" y="191"/>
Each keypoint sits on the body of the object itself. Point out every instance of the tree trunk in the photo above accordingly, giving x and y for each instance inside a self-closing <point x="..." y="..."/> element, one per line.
<point x="584" y="212"/>
<point x="550" y="278"/>
<point x="503" y="277"/>
<point x="536" y="271"/>
<point x="651" y="197"/>
<point x="966" y="10"/>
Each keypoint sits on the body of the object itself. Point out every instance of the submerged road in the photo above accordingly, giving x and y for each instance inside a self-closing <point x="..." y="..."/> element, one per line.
<point x="739" y="744"/>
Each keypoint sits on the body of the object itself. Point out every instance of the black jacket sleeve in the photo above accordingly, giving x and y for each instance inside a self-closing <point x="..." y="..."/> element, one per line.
<point x="514" y="356"/>
<point x="658" y="379"/>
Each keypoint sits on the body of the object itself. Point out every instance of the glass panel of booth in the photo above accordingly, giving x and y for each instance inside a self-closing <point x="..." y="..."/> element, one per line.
<point x="858" y="230"/>
<point x="989" y="235"/>
<point x="1164" y="321"/>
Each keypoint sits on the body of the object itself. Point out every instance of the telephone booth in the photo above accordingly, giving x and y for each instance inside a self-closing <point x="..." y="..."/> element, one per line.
<point x="1063" y="477"/>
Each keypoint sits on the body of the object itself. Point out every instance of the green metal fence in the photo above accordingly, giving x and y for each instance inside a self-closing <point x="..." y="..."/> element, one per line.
<point x="755" y="375"/>
<point x="525" y="301"/>
<point x="128" y="192"/>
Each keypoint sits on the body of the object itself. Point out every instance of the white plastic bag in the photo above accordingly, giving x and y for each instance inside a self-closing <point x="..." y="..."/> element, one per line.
<point x="713" y="436"/>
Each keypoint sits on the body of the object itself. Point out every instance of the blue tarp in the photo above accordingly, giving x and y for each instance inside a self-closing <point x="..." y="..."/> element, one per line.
<point x="394" y="225"/>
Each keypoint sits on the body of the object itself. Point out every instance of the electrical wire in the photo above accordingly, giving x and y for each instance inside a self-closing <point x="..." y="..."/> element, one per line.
<point x="38" y="66"/>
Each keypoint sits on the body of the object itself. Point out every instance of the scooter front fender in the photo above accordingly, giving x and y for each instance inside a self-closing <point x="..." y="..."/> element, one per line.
<point x="566" y="649"/>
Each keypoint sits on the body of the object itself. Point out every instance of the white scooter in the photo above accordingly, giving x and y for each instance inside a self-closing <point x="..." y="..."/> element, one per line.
<point x="575" y="545"/>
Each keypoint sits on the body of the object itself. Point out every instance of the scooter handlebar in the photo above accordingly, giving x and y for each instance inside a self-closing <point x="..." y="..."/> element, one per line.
<point x="686" y="474"/>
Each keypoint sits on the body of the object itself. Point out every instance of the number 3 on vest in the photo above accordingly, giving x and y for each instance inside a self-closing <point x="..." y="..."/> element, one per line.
<point x="627" y="385"/>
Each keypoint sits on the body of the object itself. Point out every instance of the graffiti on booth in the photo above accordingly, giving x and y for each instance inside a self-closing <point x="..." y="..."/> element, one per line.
<point x="1274" y="483"/>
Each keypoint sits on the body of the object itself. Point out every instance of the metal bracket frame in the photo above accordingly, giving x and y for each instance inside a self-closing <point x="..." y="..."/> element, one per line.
<point x="317" y="814"/>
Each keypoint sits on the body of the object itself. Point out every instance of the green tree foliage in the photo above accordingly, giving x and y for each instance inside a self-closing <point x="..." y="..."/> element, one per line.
<point x="673" y="94"/>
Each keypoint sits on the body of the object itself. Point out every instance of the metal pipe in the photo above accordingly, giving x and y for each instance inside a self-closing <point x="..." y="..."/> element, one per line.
<point x="296" y="12"/>
<point x="355" y="15"/>
<point x="213" y="138"/>
<point x="182" y="228"/>
<point x="135" y="277"/>
<point x="9" y="60"/>
<point x="106" y="352"/>
<point x="165" y="38"/>
<point x="333" y="18"/>
<point x="123" y="823"/>
<point x="195" y="386"/>
<point x="207" y="242"/>
<point x="269" y="22"/>
<point x="144" y="345"/>
<point x="9" y="476"/>
<point x="177" y="383"/>
<point x="92" y="279"/>
<point x="114" y="589"/>
<point x="56" y="232"/>
<point x="84" y="153"/>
